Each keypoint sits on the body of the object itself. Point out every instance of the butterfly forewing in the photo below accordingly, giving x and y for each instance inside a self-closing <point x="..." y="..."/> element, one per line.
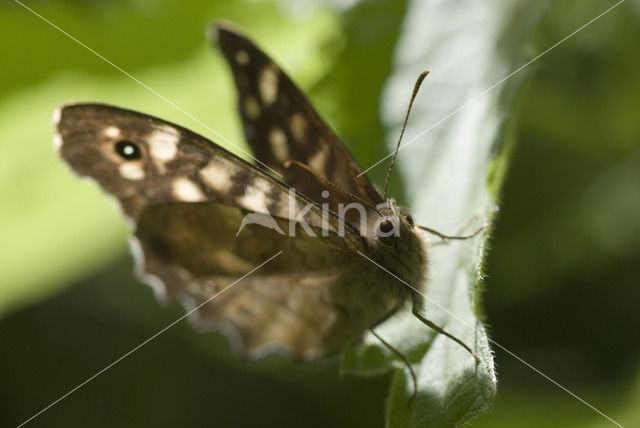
<point x="143" y="160"/>
<point x="280" y="124"/>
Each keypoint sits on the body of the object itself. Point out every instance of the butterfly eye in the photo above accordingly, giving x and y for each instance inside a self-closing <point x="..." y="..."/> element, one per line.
<point x="386" y="227"/>
<point x="128" y="150"/>
<point x="409" y="220"/>
<point x="386" y="231"/>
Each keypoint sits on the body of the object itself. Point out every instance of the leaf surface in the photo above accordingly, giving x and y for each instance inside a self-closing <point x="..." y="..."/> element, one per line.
<point x="452" y="161"/>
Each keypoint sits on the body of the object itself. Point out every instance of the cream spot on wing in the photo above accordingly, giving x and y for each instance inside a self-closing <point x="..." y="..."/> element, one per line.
<point x="251" y="108"/>
<point x="278" y="143"/>
<point x="163" y="143"/>
<point x="217" y="177"/>
<point x="186" y="190"/>
<point x="57" y="138"/>
<point x="158" y="286"/>
<point x="57" y="141"/>
<point x="132" y="170"/>
<point x="298" y="126"/>
<point x="268" y="85"/>
<point x="57" y="114"/>
<point x="111" y="132"/>
<point x="318" y="160"/>
<point x="253" y="199"/>
<point x="242" y="57"/>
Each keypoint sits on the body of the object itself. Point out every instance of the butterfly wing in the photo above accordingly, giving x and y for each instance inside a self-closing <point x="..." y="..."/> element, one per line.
<point x="143" y="160"/>
<point x="310" y="300"/>
<point x="280" y="124"/>
<point x="193" y="202"/>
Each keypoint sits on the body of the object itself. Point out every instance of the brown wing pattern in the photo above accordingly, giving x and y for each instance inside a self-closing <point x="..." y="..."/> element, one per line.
<point x="302" y="302"/>
<point x="280" y="124"/>
<point x="143" y="160"/>
<point x="190" y="200"/>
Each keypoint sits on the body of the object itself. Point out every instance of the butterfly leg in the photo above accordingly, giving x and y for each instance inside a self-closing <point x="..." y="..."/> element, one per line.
<point x="445" y="238"/>
<point x="406" y="361"/>
<point x="437" y="328"/>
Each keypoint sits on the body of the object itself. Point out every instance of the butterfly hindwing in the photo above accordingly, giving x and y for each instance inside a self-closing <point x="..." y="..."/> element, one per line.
<point x="300" y="302"/>
<point x="281" y="124"/>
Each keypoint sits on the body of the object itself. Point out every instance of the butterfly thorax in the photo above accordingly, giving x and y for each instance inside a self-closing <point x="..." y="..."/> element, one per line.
<point x="398" y="247"/>
<point x="368" y="296"/>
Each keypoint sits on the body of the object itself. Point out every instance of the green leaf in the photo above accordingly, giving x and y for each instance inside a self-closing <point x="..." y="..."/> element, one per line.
<point x="53" y="218"/>
<point x="452" y="174"/>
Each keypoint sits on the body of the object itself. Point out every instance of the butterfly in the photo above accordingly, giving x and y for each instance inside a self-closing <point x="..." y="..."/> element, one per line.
<point x="203" y="217"/>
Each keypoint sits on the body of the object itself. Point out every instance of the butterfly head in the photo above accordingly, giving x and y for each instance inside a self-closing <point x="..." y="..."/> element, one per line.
<point x="393" y="224"/>
<point x="396" y="242"/>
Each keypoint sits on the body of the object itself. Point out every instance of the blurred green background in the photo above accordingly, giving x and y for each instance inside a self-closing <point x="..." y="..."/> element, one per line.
<point x="563" y="273"/>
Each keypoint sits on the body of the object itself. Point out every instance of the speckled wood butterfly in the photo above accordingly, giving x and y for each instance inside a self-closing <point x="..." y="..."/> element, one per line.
<point x="190" y="199"/>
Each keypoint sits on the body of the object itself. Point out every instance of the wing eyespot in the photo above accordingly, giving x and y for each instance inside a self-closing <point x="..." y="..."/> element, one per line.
<point x="128" y="150"/>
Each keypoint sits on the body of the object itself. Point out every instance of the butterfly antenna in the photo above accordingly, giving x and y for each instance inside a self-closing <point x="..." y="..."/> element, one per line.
<point x="416" y="88"/>
<point x="288" y="163"/>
